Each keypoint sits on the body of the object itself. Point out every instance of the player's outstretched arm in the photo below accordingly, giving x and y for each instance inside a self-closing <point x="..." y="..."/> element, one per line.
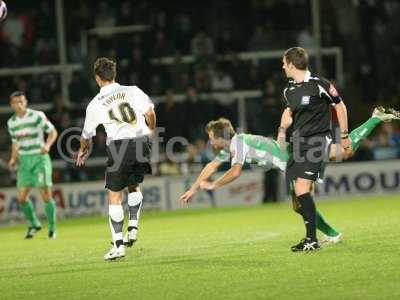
<point x="206" y="173"/>
<point x="83" y="152"/>
<point x="234" y="172"/>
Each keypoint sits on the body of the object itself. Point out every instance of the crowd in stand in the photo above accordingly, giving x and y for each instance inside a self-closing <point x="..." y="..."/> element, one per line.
<point x="208" y="31"/>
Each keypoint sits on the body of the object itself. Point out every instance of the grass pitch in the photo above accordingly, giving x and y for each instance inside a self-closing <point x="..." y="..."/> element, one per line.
<point x="223" y="253"/>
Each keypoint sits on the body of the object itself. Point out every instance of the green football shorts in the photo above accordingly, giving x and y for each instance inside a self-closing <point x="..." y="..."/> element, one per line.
<point x="34" y="171"/>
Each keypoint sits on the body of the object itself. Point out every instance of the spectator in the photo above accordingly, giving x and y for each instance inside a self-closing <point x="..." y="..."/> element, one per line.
<point x="191" y="113"/>
<point x="161" y="21"/>
<point x="105" y="16"/>
<point x="237" y="69"/>
<point x="253" y="80"/>
<point x="156" y="84"/>
<point x="45" y="24"/>
<point x="184" y="83"/>
<point x="203" y="152"/>
<point x="176" y="71"/>
<point x="384" y="144"/>
<point x="170" y="116"/>
<point x="392" y="133"/>
<point x="203" y="79"/>
<point x="202" y="45"/>
<point x="183" y="34"/>
<point x="306" y="40"/>
<point x="125" y="14"/>
<point x="222" y="81"/>
<point x="169" y="167"/>
<point x="259" y="40"/>
<point x="225" y="42"/>
<point x="99" y="145"/>
<point x="138" y="65"/>
<point x="46" y="52"/>
<point x="161" y="45"/>
<point x="271" y="107"/>
<point x="79" y="89"/>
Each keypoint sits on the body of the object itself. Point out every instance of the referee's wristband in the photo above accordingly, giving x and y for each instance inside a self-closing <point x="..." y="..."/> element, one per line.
<point x="344" y="136"/>
<point x="281" y="129"/>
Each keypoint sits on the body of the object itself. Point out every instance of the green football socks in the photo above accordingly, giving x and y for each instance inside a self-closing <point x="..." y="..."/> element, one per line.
<point x="324" y="227"/>
<point x="360" y="133"/>
<point x="30" y="214"/>
<point x="50" y="210"/>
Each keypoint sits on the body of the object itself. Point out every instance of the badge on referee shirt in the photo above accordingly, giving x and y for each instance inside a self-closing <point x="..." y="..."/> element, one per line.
<point x="305" y="100"/>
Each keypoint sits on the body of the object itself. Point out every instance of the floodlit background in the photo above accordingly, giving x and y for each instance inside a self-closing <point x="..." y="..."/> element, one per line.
<point x="198" y="61"/>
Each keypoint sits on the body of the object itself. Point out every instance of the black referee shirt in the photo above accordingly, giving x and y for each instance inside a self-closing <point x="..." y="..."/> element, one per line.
<point x="310" y="102"/>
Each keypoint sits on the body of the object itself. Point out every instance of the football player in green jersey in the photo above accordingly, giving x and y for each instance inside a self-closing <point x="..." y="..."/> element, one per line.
<point x="30" y="157"/>
<point x="268" y="153"/>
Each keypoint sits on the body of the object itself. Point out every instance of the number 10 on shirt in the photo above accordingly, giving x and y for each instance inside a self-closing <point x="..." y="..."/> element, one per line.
<point x="126" y="112"/>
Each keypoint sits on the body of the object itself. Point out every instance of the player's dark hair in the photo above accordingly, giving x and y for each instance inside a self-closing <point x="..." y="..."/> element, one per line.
<point x="17" y="94"/>
<point x="298" y="57"/>
<point x="105" y="68"/>
<point x="221" y="128"/>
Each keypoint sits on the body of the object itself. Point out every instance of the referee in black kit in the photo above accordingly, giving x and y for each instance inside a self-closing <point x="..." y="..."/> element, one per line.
<point x="308" y="99"/>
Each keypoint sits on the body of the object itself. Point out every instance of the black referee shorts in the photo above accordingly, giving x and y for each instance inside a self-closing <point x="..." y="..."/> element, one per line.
<point x="308" y="157"/>
<point x="128" y="162"/>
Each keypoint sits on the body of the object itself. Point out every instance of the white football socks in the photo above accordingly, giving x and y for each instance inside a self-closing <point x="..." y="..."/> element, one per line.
<point x="116" y="214"/>
<point x="135" y="201"/>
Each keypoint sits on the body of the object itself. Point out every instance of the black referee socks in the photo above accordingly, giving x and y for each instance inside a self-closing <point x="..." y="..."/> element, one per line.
<point x="308" y="212"/>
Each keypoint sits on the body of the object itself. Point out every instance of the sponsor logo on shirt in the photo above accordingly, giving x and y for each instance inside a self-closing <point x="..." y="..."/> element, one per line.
<point x="305" y="100"/>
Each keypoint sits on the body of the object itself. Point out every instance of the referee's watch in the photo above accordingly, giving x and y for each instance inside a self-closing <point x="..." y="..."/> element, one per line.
<point x="344" y="135"/>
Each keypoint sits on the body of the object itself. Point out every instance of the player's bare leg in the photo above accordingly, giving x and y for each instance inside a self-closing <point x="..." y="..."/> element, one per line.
<point x="135" y="200"/>
<point x="29" y="212"/>
<point x="116" y="219"/>
<point x="50" y="210"/>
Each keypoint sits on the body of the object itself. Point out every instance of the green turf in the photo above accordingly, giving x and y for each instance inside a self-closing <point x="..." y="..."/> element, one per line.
<point x="224" y="253"/>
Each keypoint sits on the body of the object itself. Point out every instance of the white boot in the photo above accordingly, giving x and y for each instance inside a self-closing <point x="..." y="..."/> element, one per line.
<point x="115" y="253"/>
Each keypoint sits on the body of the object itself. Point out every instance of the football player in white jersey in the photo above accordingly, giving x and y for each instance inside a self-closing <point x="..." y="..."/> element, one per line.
<point x="128" y="117"/>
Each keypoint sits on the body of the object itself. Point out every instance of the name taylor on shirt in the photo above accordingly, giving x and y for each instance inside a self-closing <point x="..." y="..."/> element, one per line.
<point x="114" y="97"/>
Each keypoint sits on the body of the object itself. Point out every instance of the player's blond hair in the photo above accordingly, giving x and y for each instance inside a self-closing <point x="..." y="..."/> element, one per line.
<point x="221" y="128"/>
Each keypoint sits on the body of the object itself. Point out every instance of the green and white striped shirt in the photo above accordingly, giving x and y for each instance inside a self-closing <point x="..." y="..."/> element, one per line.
<point x="28" y="131"/>
<point x="254" y="149"/>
